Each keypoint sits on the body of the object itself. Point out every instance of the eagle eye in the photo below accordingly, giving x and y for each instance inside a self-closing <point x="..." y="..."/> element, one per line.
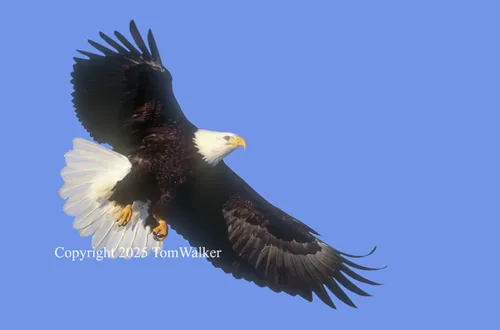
<point x="227" y="137"/>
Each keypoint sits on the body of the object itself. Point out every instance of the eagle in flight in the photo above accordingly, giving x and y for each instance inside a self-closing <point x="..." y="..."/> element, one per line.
<point x="164" y="171"/>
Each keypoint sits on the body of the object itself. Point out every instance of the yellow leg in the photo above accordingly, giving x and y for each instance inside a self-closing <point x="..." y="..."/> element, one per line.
<point x="125" y="216"/>
<point x="160" y="232"/>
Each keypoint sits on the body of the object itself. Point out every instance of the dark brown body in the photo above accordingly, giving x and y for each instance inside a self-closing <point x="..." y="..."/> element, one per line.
<point x="164" y="161"/>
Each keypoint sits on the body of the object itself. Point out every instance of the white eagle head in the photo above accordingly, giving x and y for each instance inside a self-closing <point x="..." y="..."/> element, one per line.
<point x="214" y="146"/>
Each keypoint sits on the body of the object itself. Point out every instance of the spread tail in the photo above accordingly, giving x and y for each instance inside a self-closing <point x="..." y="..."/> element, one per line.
<point x="90" y="176"/>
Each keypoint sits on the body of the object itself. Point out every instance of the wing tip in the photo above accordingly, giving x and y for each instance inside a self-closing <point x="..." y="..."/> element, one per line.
<point x="133" y="27"/>
<point x="356" y="256"/>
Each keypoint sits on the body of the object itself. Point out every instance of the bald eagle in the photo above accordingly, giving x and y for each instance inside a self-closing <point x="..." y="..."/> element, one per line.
<point x="164" y="171"/>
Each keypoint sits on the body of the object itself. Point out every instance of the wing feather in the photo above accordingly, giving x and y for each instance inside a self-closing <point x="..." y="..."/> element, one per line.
<point x="261" y="243"/>
<point x="127" y="44"/>
<point x="139" y="41"/>
<point x="119" y="48"/>
<point x="101" y="48"/>
<point x="346" y="283"/>
<point x="125" y="93"/>
<point x="154" y="48"/>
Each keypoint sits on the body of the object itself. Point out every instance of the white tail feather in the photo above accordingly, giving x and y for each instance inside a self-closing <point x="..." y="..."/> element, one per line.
<point x="91" y="173"/>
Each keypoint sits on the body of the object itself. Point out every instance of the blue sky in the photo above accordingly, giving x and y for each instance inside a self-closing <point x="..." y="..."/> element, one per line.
<point x="387" y="115"/>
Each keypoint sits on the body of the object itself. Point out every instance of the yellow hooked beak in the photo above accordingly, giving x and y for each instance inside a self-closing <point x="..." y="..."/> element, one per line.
<point x="239" y="142"/>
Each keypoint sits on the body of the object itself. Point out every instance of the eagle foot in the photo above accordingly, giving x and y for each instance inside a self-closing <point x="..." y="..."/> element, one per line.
<point x="160" y="232"/>
<point x="125" y="216"/>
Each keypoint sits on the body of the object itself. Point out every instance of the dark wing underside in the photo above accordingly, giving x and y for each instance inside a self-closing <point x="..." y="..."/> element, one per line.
<point x="122" y="93"/>
<point x="259" y="242"/>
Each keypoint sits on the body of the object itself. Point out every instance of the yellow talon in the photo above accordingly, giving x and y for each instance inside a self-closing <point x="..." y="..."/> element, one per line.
<point x="125" y="216"/>
<point x="160" y="232"/>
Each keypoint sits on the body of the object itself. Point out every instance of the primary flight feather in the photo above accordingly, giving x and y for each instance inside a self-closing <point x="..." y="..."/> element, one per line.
<point x="164" y="171"/>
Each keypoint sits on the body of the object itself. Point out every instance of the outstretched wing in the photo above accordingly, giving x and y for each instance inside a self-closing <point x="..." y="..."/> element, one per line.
<point x="122" y="93"/>
<point x="260" y="242"/>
